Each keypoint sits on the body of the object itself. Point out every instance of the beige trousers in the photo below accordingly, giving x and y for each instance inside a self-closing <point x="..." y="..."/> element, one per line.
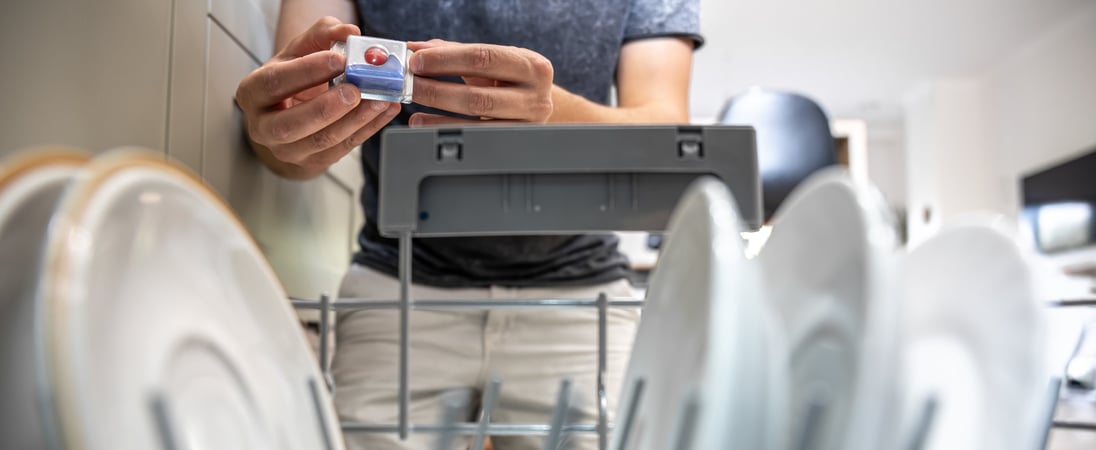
<point x="531" y="350"/>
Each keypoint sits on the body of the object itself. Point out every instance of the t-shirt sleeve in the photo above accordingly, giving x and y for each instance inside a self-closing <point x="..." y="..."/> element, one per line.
<point x="662" y="18"/>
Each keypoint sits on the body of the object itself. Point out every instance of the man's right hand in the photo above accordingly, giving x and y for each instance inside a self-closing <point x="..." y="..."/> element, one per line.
<point x="298" y="126"/>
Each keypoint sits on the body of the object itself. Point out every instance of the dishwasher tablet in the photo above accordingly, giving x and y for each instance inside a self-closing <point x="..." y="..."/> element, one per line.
<point x="378" y="67"/>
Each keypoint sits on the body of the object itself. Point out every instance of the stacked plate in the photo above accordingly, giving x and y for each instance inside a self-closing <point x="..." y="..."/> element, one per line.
<point x="31" y="185"/>
<point x="828" y="267"/>
<point x="149" y="318"/>
<point x="974" y="341"/>
<point x="830" y="338"/>
<point x="699" y="376"/>
<point x="139" y="314"/>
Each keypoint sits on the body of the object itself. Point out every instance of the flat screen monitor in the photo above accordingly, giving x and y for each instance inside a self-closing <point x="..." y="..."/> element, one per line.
<point x="1060" y="204"/>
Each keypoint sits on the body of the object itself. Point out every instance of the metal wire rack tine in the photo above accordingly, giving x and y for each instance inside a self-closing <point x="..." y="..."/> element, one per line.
<point x="161" y="414"/>
<point x="1054" y="387"/>
<point x="1076" y="350"/>
<point x="1074" y="303"/>
<point x="325" y="344"/>
<point x="321" y="416"/>
<point x="924" y="423"/>
<point x="1075" y="425"/>
<point x="629" y="417"/>
<point x="405" y="254"/>
<point x="686" y="423"/>
<point x="812" y="424"/>
<point x="602" y="363"/>
<point x="361" y="304"/>
<point x="490" y="398"/>
<point x="454" y="404"/>
<point x="559" y="416"/>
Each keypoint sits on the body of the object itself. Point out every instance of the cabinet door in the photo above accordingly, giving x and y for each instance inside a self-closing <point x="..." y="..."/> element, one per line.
<point x="91" y="74"/>
<point x="250" y="22"/>
<point x="304" y="228"/>
<point x="188" y="80"/>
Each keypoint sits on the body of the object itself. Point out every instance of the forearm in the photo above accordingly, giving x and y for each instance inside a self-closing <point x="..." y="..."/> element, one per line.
<point x="282" y="168"/>
<point x="297" y="15"/>
<point x="573" y="108"/>
<point x="652" y="87"/>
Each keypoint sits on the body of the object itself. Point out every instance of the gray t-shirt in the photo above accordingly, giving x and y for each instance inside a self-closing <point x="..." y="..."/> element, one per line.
<point x="582" y="38"/>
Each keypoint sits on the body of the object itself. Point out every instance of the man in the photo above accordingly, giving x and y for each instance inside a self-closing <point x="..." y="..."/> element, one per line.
<point x="502" y="61"/>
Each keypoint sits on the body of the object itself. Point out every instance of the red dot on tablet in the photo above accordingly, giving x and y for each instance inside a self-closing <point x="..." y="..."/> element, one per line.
<point x="376" y="55"/>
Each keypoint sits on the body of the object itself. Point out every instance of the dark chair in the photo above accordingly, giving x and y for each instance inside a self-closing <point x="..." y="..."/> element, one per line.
<point x="793" y="139"/>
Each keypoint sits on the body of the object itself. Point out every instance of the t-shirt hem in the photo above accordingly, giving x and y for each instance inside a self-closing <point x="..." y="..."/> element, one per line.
<point x="455" y="282"/>
<point x="698" y="40"/>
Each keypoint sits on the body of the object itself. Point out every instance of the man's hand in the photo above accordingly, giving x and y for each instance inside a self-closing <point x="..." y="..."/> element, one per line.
<point x="501" y="83"/>
<point x="298" y="126"/>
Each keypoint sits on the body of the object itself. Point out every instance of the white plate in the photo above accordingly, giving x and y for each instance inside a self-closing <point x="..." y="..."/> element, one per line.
<point x="827" y="267"/>
<point x="166" y="327"/>
<point x="702" y="340"/>
<point x="31" y="184"/>
<point x="974" y="339"/>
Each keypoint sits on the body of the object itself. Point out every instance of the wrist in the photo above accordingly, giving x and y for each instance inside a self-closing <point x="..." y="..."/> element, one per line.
<point x="562" y="102"/>
<point x="282" y="168"/>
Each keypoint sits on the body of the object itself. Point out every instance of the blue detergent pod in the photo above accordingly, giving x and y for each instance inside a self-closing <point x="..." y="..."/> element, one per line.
<point x="378" y="67"/>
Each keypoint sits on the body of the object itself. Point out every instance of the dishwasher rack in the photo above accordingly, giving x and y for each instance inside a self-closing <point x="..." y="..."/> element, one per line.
<point x="545" y="180"/>
<point x="553" y="180"/>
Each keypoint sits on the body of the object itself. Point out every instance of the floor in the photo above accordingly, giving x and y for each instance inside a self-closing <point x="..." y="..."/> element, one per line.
<point x="1076" y="406"/>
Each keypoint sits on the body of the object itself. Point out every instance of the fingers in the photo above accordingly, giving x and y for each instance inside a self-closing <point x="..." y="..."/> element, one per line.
<point x="277" y="81"/>
<point x="327" y="146"/>
<point x="419" y="45"/>
<point x="294" y="123"/>
<point x="289" y="110"/>
<point x="477" y="81"/>
<point x="499" y="82"/>
<point x="320" y="36"/>
<point x="515" y="65"/>
<point x="304" y="64"/>
<point x="435" y="120"/>
<point x="480" y="101"/>
<point x="375" y="126"/>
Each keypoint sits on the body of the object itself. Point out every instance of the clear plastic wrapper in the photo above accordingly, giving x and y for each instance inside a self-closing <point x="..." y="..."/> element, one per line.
<point x="378" y="67"/>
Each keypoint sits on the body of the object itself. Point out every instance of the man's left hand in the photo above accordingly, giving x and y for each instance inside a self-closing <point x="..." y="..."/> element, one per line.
<point x="502" y="83"/>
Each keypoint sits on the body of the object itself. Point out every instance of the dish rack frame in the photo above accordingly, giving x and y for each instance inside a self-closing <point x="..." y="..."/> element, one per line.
<point x="432" y="182"/>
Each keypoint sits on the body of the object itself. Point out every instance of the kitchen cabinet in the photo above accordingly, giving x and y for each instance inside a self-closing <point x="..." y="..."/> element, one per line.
<point x="162" y="75"/>
<point x="305" y="228"/>
<point x="88" y="74"/>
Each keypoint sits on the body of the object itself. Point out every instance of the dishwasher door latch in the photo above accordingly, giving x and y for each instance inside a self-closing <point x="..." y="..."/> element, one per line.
<point x="690" y="146"/>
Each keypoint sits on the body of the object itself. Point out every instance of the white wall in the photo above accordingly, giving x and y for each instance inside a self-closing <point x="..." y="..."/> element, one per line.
<point x="951" y="171"/>
<point x="1042" y="104"/>
<point x="1041" y="100"/>
<point x="886" y="160"/>
<point x="968" y="141"/>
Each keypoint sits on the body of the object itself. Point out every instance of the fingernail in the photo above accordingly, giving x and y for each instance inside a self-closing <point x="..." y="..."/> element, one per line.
<point x="345" y="95"/>
<point x="416" y="63"/>
<point x="414" y="121"/>
<point x="334" y="62"/>
<point x="379" y="106"/>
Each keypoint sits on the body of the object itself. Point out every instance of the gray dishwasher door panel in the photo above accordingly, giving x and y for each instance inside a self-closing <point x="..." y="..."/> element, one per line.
<point x="556" y="179"/>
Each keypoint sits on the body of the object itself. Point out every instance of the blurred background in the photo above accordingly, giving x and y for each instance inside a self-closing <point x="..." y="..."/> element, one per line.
<point x="948" y="107"/>
<point x="945" y="106"/>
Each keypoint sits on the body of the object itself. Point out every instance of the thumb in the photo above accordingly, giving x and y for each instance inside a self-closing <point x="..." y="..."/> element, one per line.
<point x="319" y="37"/>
